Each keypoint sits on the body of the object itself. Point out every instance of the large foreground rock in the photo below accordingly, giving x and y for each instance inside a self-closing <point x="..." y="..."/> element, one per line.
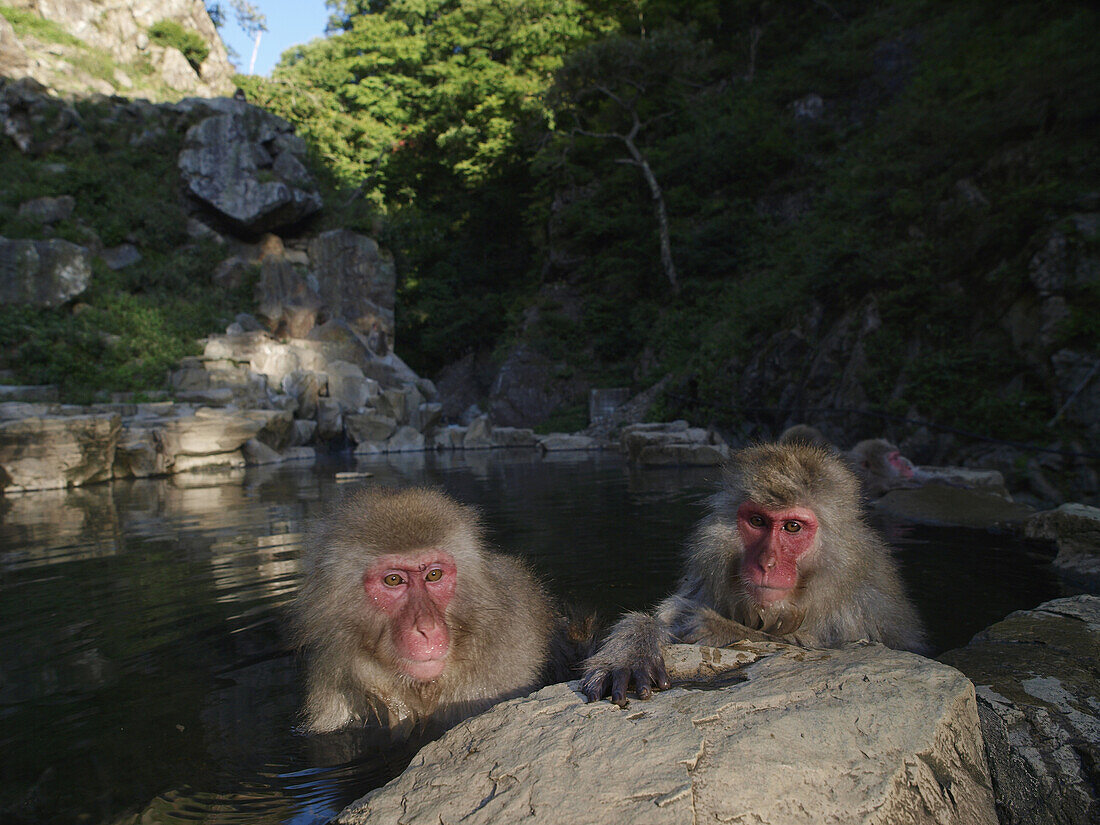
<point x="1038" y="691"/>
<point x="766" y="734"/>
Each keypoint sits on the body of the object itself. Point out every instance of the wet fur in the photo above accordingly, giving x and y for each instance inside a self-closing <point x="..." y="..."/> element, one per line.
<point x="506" y="637"/>
<point x="850" y="588"/>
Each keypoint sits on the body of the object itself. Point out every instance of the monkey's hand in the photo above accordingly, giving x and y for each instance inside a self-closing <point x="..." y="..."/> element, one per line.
<point x="703" y="626"/>
<point x="632" y="653"/>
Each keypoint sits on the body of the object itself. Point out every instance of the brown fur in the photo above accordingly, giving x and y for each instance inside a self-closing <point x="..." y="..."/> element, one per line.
<point x="849" y="584"/>
<point x="506" y="636"/>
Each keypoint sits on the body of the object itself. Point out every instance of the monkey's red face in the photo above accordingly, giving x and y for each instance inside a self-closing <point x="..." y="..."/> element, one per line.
<point x="413" y="592"/>
<point x="900" y="464"/>
<point x="774" y="541"/>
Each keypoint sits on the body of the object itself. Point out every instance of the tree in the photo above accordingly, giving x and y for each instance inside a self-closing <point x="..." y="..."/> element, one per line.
<point x="619" y="88"/>
<point x="249" y="18"/>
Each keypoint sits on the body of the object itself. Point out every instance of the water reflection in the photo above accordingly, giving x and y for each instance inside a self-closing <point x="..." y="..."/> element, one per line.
<point x="145" y="675"/>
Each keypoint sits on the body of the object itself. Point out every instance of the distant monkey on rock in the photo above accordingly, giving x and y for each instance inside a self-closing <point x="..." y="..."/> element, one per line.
<point x="407" y="618"/>
<point x="877" y="463"/>
<point x="783" y="554"/>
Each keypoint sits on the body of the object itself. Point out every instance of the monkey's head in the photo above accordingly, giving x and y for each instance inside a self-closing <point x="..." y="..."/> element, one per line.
<point x="399" y="558"/>
<point x="881" y="466"/>
<point x="785" y="501"/>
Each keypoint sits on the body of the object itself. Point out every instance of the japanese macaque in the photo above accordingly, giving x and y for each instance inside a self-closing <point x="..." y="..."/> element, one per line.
<point x="784" y="554"/>
<point x="881" y="467"/>
<point x="877" y="463"/>
<point x="408" y="619"/>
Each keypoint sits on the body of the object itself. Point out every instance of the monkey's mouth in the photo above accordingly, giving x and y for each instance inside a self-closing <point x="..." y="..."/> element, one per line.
<point x="762" y="594"/>
<point x="424" y="670"/>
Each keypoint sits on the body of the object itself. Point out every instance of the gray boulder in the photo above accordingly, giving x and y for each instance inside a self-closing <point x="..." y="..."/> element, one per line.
<point x="48" y="210"/>
<point x="1075" y="530"/>
<point x="1039" y="701"/>
<point x="357" y="282"/>
<point x="42" y="273"/>
<point x="40" y="453"/>
<point x="230" y="163"/>
<point x="555" y="442"/>
<point x="369" y="426"/>
<point x="759" y="733"/>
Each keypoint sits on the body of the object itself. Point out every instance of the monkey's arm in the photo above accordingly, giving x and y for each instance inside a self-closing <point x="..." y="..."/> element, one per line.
<point x="632" y="652"/>
<point x="703" y="626"/>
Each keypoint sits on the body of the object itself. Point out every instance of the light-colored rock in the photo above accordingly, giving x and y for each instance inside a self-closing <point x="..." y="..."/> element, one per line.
<point x="330" y="419"/>
<point x="121" y="256"/>
<point x="703" y="455"/>
<point x="426" y="416"/>
<point x="286" y="297"/>
<point x="405" y="440"/>
<point x="369" y="426"/>
<point x="219" y="461"/>
<point x="672" y="443"/>
<point x="28" y="392"/>
<point x="121" y="29"/>
<point x="256" y="452"/>
<point x="138" y="454"/>
<point x="13" y="56"/>
<point x="513" y="437"/>
<point x="349" y="388"/>
<point x="302" y="432"/>
<point x="448" y="438"/>
<point x="938" y="504"/>
<point x="63" y="451"/>
<point x="357" y="283"/>
<point x="989" y="481"/>
<point x="761" y="734"/>
<point x="299" y="454"/>
<point x="48" y="210"/>
<point x="211" y="431"/>
<point x="305" y="387"/>
<point x="554" y="442"/>
<point x="42" y="273"/>
<point x="479" y="434"/>
<point x="228" y="164"/>
<point x="370" y="448"/>
<point x="1039" y="701"/>
<point x="1075" y="530"/>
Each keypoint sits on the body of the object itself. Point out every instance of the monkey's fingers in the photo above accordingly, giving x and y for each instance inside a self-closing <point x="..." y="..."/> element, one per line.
<point x="620" y="678"/>
<point x="595" y="685"/>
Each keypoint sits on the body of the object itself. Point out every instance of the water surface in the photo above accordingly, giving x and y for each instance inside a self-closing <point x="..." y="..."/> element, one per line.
<point x="145" y="675"/>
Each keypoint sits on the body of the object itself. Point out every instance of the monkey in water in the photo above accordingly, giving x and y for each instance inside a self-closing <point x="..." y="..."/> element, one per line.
<point x="407" y="619"/>
<point x="783" y="554"/>
<point x="877" y="463"/>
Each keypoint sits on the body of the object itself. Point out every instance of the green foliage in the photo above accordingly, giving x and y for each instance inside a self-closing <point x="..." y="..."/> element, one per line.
<point x="133" y="325"/>
<point x="28" y="23"/>
<point x="188" y="42"/>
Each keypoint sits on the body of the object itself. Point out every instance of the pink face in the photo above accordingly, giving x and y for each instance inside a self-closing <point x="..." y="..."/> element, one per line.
<point x="900" y="464"/>
<point x="414" y="590"/>
<point x="774" y="541"/>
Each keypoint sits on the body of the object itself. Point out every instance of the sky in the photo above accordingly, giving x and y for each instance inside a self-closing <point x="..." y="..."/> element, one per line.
<point x="289" y="22"/>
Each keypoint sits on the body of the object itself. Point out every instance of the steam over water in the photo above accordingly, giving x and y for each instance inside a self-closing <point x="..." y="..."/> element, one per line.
<point x="145" y="676"/>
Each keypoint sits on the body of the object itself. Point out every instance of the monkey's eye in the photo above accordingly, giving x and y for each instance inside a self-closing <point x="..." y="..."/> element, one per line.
<point x="756" y="520"/>
<point x="792" y="526"/>
<point x="392" y="580"/>
<point x="434" y="575"/>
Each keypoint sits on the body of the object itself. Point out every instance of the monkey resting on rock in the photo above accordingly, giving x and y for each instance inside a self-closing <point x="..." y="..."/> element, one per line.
<point x="783" y="554"/>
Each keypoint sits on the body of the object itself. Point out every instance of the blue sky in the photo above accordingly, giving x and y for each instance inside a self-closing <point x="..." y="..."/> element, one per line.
<point x="289" y="22"/>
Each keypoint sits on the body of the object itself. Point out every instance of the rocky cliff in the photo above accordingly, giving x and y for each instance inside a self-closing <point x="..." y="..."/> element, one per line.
<point x="157" y="49"/>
